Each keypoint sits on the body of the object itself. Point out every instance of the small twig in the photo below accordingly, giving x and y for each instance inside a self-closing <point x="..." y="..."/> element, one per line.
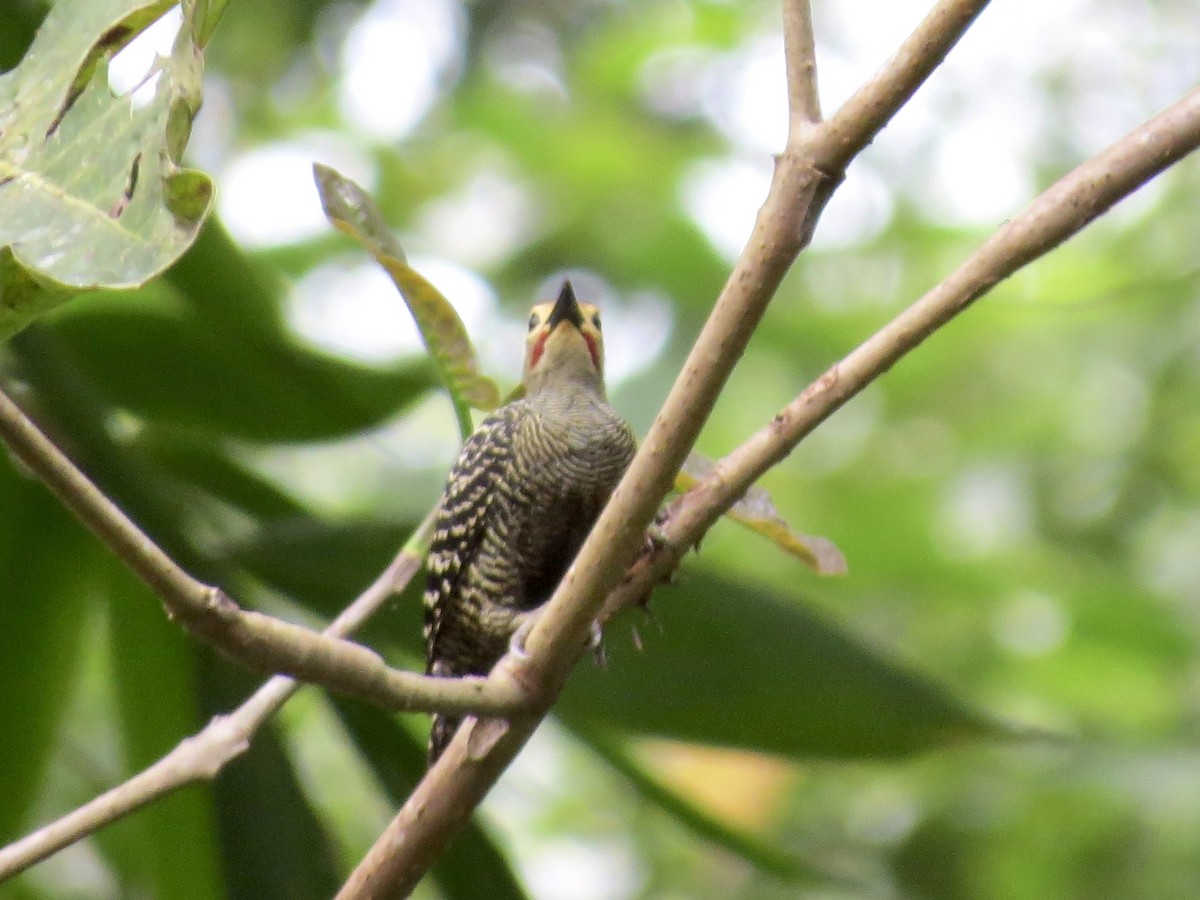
<point x="801" y="185"/>
<point x="203" y="755"/>
<point x="873" y="105"/>
<point x="259" y="641"/>
<point x="804" y="103"/>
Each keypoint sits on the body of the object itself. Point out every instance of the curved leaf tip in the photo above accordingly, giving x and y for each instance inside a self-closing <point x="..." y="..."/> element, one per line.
<point x="351" y="210"/>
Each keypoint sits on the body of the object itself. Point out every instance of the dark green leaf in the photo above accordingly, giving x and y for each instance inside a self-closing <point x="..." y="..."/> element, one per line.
<point x="725" y="664"/>
<point x="172" y="843"/>
<point x="217" y="474"/>
<point x="161" y="360"/>
<point x="46" y="563"/>
<point x="320" y="564"/>
<point x="273" y="844"/>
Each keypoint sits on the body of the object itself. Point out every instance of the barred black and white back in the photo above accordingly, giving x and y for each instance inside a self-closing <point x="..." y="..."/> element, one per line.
<point x="521" y="497"/>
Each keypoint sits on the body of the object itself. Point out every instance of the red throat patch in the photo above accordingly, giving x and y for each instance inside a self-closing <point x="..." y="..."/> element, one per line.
<point x="594" y="350"/>
<point x="539" y="346"/>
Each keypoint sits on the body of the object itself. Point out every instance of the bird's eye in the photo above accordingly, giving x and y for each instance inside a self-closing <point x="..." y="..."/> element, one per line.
<point x="534" y="321"/>
<point x="596" y="320"/>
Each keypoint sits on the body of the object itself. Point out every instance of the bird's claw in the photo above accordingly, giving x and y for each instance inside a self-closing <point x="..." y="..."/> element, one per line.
<point x="516" y="643"/>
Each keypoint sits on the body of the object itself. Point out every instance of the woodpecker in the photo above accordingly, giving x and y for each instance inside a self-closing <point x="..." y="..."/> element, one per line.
<point x="521" y="497"/>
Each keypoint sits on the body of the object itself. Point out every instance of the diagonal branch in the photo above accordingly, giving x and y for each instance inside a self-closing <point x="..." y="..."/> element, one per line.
<point x="259" y="641"/>
<point x="804" y="178"/>
<point x="202" y="756"/>
<point x="1057" y="214"/>
<point x="873" y="105"/>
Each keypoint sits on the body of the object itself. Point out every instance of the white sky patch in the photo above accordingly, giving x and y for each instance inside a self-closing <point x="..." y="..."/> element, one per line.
<point x="858" y="211"/>
<point x="128" y="70"/>
<point x="635" y="334"/>
<point x="267" y="195"/>
<point x="745" y="95"/>
<point x="482" y="225"/>
<point x="981" y="167"/>
<point x="866" y="34"/>
<point x="394" y="60"/>
<point x="723" y="197"/>
<point x="527" y="56"/>
<point x="354" y="310"/>
<point x="469" y="293"/>
<point x="566" y="869"/>
<point x="672" y="81"/>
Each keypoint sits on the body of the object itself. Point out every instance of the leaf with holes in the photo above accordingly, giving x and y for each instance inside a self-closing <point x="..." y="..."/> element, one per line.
<point x="91" y="188"/>
<point x="353" y="212"/>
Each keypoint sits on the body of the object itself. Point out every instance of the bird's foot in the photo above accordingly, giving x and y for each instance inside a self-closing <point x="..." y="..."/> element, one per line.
<point x="516" y="643"/>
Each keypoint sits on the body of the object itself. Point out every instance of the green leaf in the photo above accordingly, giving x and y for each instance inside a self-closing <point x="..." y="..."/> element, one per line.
<point x="472" y="868"/>
<point x="131" y="210"/>
<point x="42" y="604"/>
<point x="756" y="852"/>
<point x="320" y="564"/>
<point x="274" y="847"/>
<point x="725" y="664"/>
<point x="214" y="472"/>
<point x="352" y="211"/>
<point x="757" y="512"/>
<point x="174" y="839"/>
<point x="163" y="360"/>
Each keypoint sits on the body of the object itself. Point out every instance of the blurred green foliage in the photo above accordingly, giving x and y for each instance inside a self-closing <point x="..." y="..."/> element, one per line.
<point x="1019" y="500"/>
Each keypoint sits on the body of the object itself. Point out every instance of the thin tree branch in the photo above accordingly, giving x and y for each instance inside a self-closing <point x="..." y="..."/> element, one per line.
<point x="873" y="105"/>
<point x="202" y="756"/>
<point x="259" y="641"/>
<point x="1057" y="214"/>
<point x="482" y="749"/>
<point x="1060" y="212"/>
<point x="804" y="102"/>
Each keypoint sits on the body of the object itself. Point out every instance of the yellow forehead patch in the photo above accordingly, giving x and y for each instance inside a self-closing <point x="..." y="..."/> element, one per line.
<point x="541" y="311"/>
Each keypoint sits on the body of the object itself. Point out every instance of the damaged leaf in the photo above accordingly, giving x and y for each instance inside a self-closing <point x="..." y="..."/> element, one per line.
<point x="91" y="186"/>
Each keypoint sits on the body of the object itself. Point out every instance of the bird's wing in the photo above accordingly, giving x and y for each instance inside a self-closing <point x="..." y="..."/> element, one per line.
<point x="463" y="514"/>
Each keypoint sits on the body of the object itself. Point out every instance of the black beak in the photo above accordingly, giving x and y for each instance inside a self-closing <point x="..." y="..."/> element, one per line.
<point x="566" y="308"/>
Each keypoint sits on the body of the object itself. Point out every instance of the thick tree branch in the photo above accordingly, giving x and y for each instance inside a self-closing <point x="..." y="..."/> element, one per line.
<point x="804" y="179"/>
<point x="259" y="641"/>
<point x="202" y="756"/>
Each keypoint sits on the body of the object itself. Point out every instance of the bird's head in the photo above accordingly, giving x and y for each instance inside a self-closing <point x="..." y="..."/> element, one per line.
<point x="564" y="343"/>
